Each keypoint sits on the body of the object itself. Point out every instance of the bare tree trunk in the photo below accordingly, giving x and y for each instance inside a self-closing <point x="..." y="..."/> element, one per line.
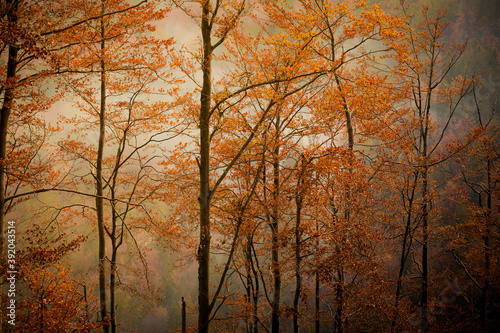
<point x="248" y="294"/>
<point x="276" y="275"/>
<point x="99" y="187"/>
<point x="425" y="255"/>
<point x="424" y="137"/>
<point x="112" y="286"/>
<point x="255" y="295"/>
<point x="250" y="287"/>
<point x="298" y="277"/>
<point x="347" y="214"/>
<point x="339" y="302"/>
<point x="205" y="195"/>
<point x="317" y="285"/>
<point x="275" y="236"/>
<point x="183" y="315"/>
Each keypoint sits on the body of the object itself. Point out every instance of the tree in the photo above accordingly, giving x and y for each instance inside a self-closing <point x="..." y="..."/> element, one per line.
<point x="47" y="295"/>
<point x="356" y="100"/>
<point x="33" y="33"/>
<point x="128" y="121"/>
<point x="479" y="177"/>
<point x="428" y="67"/>
<point x="218" y="20"/>
<point x="26" y="43"/>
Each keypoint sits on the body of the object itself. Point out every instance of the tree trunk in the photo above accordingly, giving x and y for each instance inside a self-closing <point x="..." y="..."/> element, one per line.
<point x="317" y="284"/>
<point x="183" y="315"/>
<point x="424" y="137"/>
<point x="425" y="213"/>
<point x="112" y="286"/>
<point x="298" y="277"/>
<point x="248" y="296"/>
<point x="339" y="298"/>
<point x="99" y="187"/>
<point x="205" y="195"/>
<point x="250" y="288"/>
<point x="255" y="295"/>
<point x="425" y="242"/>
<point x="339" y="302"/>
<point x="275" y="236"/>
<point x="276" y="276"/>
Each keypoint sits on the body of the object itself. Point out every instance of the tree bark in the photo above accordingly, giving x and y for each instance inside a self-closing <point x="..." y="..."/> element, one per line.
<point x="424" y="137"/>
<point x="112" y="286"/>
<point x="99" y="186"/>
<point x="275" y="236"/>
<point x="298" y="215"/>
<point x="205" y="195"/>
<point x="425" y="249"/>
<point x="298" y="277"/>
<point x="317" y="285"/>
<point x="250" y="288"/>
<point x="339" y="295"/>
<point x="339" y="302"/>
<point x="256" y="287"/>
<point x="183" y="315"/>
